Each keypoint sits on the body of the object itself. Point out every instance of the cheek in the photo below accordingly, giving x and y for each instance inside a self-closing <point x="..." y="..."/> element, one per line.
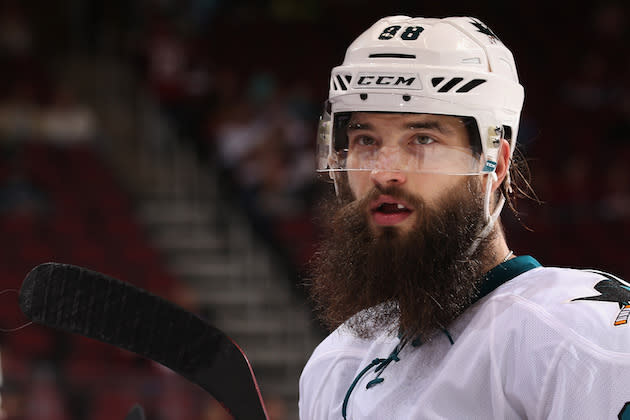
<point x="359" y="183"/>
<point x="432" y="187"/>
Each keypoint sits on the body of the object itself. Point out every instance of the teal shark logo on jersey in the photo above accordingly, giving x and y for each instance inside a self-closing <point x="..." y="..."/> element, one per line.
<point x="613" y="289"/>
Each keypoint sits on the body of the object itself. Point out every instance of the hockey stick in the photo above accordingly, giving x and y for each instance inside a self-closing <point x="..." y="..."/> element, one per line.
<point x="81" y="301"/>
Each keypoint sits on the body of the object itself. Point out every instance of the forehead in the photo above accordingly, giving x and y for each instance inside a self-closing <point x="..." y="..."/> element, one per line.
<point x="404" y="120"/>
<point x="450" y="129"/>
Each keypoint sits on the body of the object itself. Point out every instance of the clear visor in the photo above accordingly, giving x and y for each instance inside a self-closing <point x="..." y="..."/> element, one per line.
<point x="422" y="145"/>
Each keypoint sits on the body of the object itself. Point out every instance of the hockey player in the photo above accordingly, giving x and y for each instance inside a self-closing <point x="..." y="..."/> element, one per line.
<point x="434" y="317"/>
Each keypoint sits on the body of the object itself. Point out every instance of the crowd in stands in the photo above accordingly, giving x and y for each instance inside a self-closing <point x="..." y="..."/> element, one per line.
<point x="576" y="135"/>
<point x="254" y="123"/>
<point x="60" y="201"/>
<point x="252" y="111"/>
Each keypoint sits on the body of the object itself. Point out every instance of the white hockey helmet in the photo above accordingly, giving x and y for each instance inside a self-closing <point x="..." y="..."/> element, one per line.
<point x="452" y="66"/>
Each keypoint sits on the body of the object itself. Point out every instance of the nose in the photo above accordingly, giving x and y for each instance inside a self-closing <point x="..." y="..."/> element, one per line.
<point x="387" y="168"/>
<point x="385" y="177"/>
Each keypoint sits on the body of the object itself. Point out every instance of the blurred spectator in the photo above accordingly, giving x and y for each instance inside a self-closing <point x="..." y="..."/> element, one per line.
<point x="166" y="59"/>
<point x="66" y="121"/>
<point x="235" y="134"/>
<point x="19" y="196"/>
<point x="264" y="144"/>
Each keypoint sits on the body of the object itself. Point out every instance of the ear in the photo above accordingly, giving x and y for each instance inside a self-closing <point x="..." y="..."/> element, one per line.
<point x="503" y="164"/>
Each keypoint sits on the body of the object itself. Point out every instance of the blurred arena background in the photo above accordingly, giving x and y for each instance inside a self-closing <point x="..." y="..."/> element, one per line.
<point x="170" y="144"/>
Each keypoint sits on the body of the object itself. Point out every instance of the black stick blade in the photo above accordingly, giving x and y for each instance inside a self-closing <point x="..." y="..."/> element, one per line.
<point x="94" y="305"/>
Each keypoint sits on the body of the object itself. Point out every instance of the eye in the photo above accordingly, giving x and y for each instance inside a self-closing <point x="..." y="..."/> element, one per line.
<point x="423" y="140"/>
<point x="363" y="141"/>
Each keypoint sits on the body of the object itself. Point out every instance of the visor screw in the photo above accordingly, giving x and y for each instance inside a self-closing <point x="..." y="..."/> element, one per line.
<point x="363" y="96"/>
<point x="406" y="98"/>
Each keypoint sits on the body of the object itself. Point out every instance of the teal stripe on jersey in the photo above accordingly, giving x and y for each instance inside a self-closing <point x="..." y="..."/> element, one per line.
<point x="504" y="272"/>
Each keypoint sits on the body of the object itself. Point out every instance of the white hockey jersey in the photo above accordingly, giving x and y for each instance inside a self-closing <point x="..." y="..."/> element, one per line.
<point x="543" y="343"/>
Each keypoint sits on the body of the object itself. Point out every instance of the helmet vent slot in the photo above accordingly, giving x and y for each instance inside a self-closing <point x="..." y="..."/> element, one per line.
<point x="392" y="55"/>
<point x="470" y="85"/>
<point x="436" y="81"/>
<point x="446" y="87"/>
<point x="340" y="84"/>
<point x="450" y="84"/>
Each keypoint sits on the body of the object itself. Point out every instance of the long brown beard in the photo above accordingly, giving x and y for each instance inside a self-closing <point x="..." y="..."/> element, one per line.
<point x="383" y="279"/>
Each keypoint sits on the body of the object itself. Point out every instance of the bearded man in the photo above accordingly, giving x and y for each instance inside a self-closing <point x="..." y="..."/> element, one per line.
<point x="433" y="315"/>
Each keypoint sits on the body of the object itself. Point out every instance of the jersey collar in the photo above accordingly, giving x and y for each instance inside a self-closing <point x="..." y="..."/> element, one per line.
<point x="506" y="271"/>
<point x="494" y="278"/>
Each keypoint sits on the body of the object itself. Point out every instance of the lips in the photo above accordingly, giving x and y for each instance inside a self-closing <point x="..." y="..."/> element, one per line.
<point x="389" y="211"/>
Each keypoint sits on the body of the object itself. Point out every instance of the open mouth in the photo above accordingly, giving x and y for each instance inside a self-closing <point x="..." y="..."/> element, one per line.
<point x="391" y="208"/>
<point x="388" y="211"/>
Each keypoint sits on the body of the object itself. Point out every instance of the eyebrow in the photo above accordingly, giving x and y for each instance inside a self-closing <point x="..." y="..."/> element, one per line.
<point x="414" y="125"/>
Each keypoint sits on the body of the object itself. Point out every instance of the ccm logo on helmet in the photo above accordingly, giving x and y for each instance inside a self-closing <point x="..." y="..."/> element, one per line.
<point x="380" y="80"/>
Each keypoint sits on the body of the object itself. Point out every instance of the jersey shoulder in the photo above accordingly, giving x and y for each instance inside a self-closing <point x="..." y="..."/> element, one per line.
<point x="590" y="306"/>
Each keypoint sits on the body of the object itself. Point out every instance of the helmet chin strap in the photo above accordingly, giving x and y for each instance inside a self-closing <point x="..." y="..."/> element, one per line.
<point x="490" y="218"/>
